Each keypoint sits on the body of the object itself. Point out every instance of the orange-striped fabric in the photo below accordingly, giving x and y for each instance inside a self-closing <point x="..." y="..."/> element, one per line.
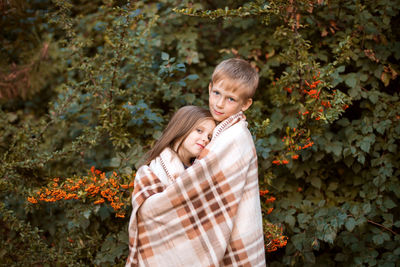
<point x="208" y="216"/>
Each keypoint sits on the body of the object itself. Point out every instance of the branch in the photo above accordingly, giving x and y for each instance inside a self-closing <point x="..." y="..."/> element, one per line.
<point x="384" y="227"/>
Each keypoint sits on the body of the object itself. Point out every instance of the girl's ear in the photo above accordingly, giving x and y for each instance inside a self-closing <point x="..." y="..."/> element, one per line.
<point x="247" y="103"/>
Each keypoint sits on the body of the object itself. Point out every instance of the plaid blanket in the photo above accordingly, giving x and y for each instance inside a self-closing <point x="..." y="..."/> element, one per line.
<point x="208" y="216"/>
<point x="167" y="166"/>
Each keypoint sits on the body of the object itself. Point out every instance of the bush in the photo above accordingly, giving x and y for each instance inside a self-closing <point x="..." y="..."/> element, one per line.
<point x="110" y="73"/>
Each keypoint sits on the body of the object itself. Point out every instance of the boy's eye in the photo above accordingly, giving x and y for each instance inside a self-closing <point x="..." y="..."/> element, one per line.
<point x="216" y="92"/>
<point x="231" y="99"/>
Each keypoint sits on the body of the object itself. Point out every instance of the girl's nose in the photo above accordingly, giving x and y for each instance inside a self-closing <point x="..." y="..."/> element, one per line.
<point x="204" y="138"/>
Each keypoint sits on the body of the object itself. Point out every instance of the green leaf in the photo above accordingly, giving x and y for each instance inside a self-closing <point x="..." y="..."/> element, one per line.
<point x="192" y="77"/>
<point x="341" y="68"/>
<point x="389" y="204"/>
<point x="164" y="56"/>
<point x="355" y="210"/>
<point x="373" y="96"/>
<point x="351" y="80"/>
<point x="366" y="142"/>
<point x="329" y="235"/>
<point x="303" y="218"/>
<point x="309" y="257"/>
<point x="289" y="219"/>
<point x="87" y="213"/>
<point x="333" y="186"/>
<point x="104" y="212"/>
<point x="363" y="77"/>
<point x="336" y="148"/>
<point x="115" y="162"/>
<point x="315" y="181"/>
<point x="190" y="98"/>
<point x="378" y="239"/>
<point x="350" y="224"/>
<point x="361" y="158"/>
<point x="366" y="208"/>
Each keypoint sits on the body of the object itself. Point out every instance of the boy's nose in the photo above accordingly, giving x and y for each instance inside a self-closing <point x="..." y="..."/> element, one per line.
<point x="220" y="102"/>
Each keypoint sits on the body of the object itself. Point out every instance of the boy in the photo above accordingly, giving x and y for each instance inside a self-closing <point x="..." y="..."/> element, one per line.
<point x="233" y="84"/>
<point x="211" y="214"/>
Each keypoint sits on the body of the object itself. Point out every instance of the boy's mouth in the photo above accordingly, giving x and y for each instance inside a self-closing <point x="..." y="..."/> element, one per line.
<point x="217" y="113"/>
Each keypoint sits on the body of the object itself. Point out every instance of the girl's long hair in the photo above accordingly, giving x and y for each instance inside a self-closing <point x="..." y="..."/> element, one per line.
<point x="179" y="127"/>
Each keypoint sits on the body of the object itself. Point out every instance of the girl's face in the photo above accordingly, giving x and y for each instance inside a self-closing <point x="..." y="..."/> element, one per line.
<point x="196" y="140"/>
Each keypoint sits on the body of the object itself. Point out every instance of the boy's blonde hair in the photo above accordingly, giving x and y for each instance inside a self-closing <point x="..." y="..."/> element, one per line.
<point x="238" y="70"/>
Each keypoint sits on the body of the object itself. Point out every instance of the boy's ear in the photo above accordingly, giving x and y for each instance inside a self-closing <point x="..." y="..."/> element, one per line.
<point x="209" y="87"/>
<point x="247" y="103"/>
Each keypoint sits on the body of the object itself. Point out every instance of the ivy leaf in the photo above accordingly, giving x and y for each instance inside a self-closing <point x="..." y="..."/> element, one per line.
<point x="309" y="257"/>
<point x="87" y="213"/>
<point x="351" y="80"/>
<point x="366" y="142"/>
<point x="190" y="98"/>
<point x="366" y="208"/>
<point x="289" y="219"/>
<point x="350" y="224"/>
<point x="192" y="77"/>
<point x="336" y="148"/>
<point x="164" y="56"/>
<point x="378" y="239"/>
<point x="373" y="97"/>
<point x="388" y="203"/>
<point x="303" y="218"/>
<point x="114" y="162"/>
<point x="341" y="68"/>
<point x="315" y="181"/>
<point x="383" y="125"/>
<point x="329" y="235"/>
<point x="104" y="212"/>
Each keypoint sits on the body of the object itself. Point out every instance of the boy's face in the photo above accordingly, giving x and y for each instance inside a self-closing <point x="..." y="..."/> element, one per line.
<point x="224" y="102"/>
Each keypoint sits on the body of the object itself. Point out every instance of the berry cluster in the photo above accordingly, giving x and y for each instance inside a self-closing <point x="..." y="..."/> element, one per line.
<point x="95" y="187"/>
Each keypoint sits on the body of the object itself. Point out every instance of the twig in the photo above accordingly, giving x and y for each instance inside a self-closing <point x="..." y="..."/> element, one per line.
<point x="384" y="227"/>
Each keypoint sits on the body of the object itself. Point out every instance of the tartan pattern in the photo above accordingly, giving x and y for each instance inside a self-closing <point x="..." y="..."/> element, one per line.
<point x="209" y="216"/>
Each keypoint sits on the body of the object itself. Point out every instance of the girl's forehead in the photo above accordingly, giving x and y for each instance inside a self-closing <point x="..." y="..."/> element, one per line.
<point x="207" y="123"/>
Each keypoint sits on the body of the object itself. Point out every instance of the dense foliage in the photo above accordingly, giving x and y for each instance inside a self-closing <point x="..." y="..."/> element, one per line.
<point x="93" y="83"/>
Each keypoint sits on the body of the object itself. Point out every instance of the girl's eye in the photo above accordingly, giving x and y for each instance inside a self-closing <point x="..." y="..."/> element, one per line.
<point x="209" y="138"/>
<point x="199" y="130"/>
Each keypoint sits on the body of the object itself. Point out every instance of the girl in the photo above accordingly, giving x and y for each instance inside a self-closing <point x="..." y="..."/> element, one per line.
<point x="185" y="136"/>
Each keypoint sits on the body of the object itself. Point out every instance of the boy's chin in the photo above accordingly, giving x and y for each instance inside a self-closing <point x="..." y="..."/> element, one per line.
<point x="219" y="118"/>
